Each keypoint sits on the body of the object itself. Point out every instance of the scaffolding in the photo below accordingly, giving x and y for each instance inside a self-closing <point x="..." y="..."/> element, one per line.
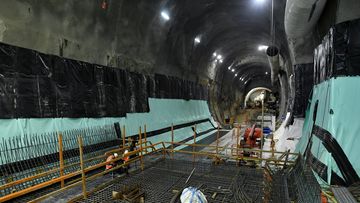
<point x="215" y="172"/>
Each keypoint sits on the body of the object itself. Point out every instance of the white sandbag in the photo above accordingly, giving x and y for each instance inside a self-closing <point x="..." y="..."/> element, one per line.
<point x="192" y="195"/>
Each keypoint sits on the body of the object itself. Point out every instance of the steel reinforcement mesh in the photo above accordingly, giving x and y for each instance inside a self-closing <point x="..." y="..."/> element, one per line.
<point x="233" y="184"/>
<point x="32" y="155"/>
<point x="302" y="184"/>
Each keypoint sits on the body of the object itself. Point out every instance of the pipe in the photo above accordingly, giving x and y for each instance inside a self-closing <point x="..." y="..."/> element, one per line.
<point x="302" y="16"/>
<point x="272" y="53"/>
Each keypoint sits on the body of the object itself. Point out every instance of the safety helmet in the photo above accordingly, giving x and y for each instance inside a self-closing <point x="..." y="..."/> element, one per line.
<point x="116" y="155"/>
<point x="126" y="151"/>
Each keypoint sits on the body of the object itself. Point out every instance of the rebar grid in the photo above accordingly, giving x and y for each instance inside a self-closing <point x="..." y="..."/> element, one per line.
<point x="159" y="180"/>
<point x="29" y="155"/>
<point x="303" y="184"/>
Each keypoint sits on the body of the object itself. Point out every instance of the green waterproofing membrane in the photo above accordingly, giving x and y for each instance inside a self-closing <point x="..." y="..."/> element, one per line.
<point x="338" y="112"/>
<point x="183" y="133"/>
<point x="163" y="113"/>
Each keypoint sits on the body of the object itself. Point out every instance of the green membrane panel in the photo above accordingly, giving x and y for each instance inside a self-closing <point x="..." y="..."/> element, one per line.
<point x="338" y="112"/>
<point x="163" y="112"/>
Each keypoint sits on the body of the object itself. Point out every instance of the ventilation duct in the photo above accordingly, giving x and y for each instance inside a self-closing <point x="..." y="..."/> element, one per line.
<point x="273" y="57"/>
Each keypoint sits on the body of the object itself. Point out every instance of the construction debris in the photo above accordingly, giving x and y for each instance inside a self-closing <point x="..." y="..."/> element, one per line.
<point x="131" y="194"/>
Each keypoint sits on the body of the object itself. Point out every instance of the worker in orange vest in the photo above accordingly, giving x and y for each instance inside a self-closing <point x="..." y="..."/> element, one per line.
<point x="126" y="158"/>
<point x="109" y="159"/>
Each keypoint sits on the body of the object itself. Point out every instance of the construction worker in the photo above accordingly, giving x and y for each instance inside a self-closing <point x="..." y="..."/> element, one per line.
<point x="126" y="158"/>
<point x="111" y="165"/>
<point x="133" y="147"/>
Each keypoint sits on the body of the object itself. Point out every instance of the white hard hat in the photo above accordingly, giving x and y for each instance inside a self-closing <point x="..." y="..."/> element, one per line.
<point x="126" y="151"/>
<point x="116" y="155"/>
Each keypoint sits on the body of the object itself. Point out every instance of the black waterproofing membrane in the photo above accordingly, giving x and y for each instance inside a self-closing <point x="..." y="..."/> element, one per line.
<point x="339" y="52"/>
<point x="334" y="148"/>
<point x="303" y="86"/>
<point x="37" y="85"/>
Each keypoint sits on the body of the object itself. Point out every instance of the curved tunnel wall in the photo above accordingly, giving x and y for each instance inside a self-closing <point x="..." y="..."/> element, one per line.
<point x="36" y="85"/>
<point x="132" y="35"/>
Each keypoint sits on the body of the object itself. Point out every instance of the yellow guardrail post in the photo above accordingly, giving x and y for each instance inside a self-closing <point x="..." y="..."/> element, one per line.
<point x="83" y="177"/>
<point x="61" y="158"/>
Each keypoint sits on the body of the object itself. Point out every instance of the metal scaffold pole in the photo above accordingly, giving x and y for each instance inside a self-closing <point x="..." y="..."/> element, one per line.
<point x="61" y="158"/>
<point x="172" y="141"/>
<point x="83" y="177"/>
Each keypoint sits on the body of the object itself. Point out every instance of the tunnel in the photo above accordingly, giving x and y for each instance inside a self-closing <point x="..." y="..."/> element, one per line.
<point x="179" y="101"/>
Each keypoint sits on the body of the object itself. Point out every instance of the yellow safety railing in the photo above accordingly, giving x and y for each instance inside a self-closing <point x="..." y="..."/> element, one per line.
<point x="145" y="148"/>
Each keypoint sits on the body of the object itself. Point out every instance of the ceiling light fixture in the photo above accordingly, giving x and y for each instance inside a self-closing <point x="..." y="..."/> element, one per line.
<point x="235" y="74"/>
<point x="262" y="47"/>
<point x="232" y="70"/>
<point x="197" y="40"/>
<point x="214" y="54"/>
<point x="229" y="67"/>
<point x="165" y="15"/>
<point x="219" y="56"/>
<point x="260" y="1"/>
<point x="266" y="73"/>
<point x="220" y="60"/>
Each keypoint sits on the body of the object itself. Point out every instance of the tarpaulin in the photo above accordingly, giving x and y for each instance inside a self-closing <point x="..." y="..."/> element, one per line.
<point x="303" y="86"/>
<point x="36" y="85"/>
<point x="334" y="108"/>
<point x="339" y="52"/>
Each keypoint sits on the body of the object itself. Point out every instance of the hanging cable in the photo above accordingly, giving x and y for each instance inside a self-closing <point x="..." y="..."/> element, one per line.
<point x="272" y="28"/>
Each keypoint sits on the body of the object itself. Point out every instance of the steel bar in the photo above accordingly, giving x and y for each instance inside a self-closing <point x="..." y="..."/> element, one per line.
<point x="83" y="177"/>
<point x="123" y="136"/>
<point x="237" y="141"/>
<point x="61" y="158"/>
<point x="141" y="148"/>
<point x="262" y="127"/>
<point x="194" y="143"/>
<point x="217" y="139"/>
<point x="234" y="157"/>
<point x="145" y="135"/>
<point x="187" y="180"/>
<point x="223" y="147"/>
<point x="172" y="141"/>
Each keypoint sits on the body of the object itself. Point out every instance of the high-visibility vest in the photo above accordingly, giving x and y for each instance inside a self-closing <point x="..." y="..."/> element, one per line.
<point x="126" y="158"/>
<point x="111" y="164"/>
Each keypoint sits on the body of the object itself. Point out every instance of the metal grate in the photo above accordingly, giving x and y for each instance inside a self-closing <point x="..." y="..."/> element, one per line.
<point x="159" y="180"/>
<point x="343" y="195"/>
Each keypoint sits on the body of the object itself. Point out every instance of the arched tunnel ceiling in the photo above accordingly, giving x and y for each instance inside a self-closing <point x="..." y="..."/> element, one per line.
<point x="233" y="29"/>
<point x="132" y="34"/>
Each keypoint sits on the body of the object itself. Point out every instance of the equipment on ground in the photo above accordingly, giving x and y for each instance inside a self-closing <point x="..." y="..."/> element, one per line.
<point x="131" y="194"/>
<point x="192" y="194"/>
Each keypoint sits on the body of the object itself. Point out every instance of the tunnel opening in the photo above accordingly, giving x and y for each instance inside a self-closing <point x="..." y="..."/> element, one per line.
<point x="236" y="101"/>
